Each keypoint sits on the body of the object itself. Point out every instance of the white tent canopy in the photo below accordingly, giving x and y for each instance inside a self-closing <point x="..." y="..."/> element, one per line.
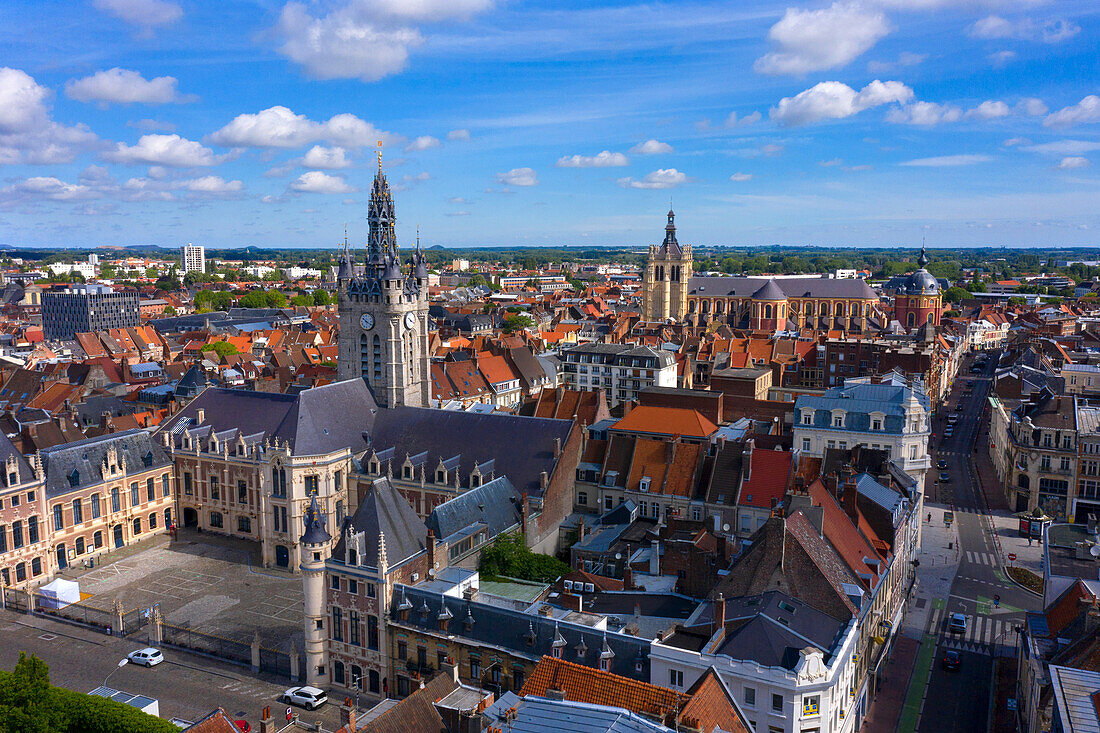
<point x="59" y="593"/>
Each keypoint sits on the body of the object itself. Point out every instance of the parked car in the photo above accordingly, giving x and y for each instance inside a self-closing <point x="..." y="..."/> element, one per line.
<point x="306" y="697"/>
<point x="951" y="660"/>
<point x="147" y="657"/>
<point x="243" y="726"/>
<point x="957" y="623"/>
<point x="945" y="477"/>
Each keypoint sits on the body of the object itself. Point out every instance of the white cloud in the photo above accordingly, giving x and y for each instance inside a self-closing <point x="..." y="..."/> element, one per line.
<point x="1065" y="147"/>
<point x="458" y="213"/>
<point x="946" y="161"/>
<point x="1072" y="162"/>
<point x="146" y="14"/>
<point x="149" y="125"/>
<point x="1000" y="59"/>
<point x="661" y="178"/>
<point x="518" y="177"/>
<point x="835" y="100"/>
<point x="459" y="135"/>
<point x="27" y="134"/>
<point x="996" y="27"/>
<point x="925" y="113"/>
<point x="651" y="147"/>
<point x="169" y="150"/>
<point x="123" y="86"/>
<point x="457" y="200"/>
<point x="603" y="159"/>
<point x="212" y="185"/>
<point x="905" y="58"/>
<point x="815" y="40"/>
<point x="367" y="39"/>
<point x="424" y="142"/>
<point x="734" y="121"/>
<point x="325" y="158"/>
<point x="1014" y="141"/>
<point x="47" y="187"/>
<point x="1087" y="110"/>
<point x="830" y="163"/>
<point x="1032" y="107"/>
<point x="279" y="127"/>
<point x="739" y="177"/>
<point x="318" y="182"/>
<point x="22" y="101"/>
<point x="988" y="110"/>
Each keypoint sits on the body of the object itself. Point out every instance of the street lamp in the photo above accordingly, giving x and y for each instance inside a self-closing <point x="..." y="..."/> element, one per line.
<point x="121" y="663"/>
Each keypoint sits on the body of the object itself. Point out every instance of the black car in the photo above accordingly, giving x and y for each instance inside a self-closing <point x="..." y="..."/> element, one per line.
<point x="941" y="464"/>
<point x="951" y="660"/>
<point x="945" y="477"/>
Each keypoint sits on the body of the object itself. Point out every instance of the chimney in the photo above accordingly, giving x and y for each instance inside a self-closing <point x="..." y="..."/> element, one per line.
<point x="720" y="615"/>
<point x="347" y="715"/>
<point x="430" y="542"/>
<point x="557" y="447"/>
<point x="670" y="451"/>
<point x="450" y="666"/>
<point x="849" y="498"/>
<point x="200" y="416"/>
<point x="544" y="480"/>
<point x="628" y="577"/>
<point x="746" y="459"/>
<point x="655" y="558"/>
<point x="267" y="723"/>
<point x="553" y="693"/>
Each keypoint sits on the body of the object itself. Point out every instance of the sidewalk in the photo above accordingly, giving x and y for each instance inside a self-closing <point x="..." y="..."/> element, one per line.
<point x="887" y="707"/>
<point x="936" y="572"/>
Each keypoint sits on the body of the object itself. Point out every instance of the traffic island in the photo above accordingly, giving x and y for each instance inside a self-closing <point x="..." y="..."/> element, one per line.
<point x="1026" y="579"/>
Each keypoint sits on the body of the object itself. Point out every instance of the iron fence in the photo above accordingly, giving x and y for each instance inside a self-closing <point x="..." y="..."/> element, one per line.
<point x="218" y="646"/>
<point x="79" y="611"/>
<point x="275" y="662"/>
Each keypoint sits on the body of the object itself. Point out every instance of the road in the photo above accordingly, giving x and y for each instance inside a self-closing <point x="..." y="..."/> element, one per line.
<point x="188" y="686"/>
<point x="958" y="700"/>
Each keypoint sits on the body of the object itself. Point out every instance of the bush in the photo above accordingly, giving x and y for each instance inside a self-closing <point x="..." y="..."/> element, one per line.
<point x="508" y="555"/>
<point x="1026" y="578"/>
<point x="222" y="348"/>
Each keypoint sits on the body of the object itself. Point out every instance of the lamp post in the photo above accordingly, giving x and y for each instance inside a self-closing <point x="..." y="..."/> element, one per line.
<point x="121" y="663"/>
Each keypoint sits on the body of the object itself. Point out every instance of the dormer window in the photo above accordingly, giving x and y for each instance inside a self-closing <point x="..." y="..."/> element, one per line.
<point x="74" y="478"/>
<point x="374" y="467"/>
<point x="475" y="480"/>
<point x="441" y="476"/>
<point x="838" y="418"/>
<point x="407" y="471"/>
<point x="147" y="459"/>
<point x="807" y="417"/>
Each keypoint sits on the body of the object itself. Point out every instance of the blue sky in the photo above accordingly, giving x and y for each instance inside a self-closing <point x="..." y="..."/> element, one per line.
<point x="513" y="122"/>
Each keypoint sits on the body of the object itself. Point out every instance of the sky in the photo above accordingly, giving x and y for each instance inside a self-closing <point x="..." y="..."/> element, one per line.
<point x="551" y="122"/>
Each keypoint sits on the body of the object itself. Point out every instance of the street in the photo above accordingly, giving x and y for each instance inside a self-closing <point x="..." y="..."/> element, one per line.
<point x="958" y="700"/>
<point x="188" y="686"/>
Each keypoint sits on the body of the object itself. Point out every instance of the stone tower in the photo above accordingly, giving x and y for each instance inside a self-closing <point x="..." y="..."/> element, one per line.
<point x="384" y="312"/>
<point x="665" y="282"/>
<point x="314" y="553"/>
<point x="920" y="301"/>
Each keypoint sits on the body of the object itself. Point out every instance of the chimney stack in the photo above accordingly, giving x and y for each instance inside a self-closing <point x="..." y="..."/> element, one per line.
<point x="655" y="558"/>
<point x="267" y="724"/>
<point x="720" y="614"/>
<point x="347" y="715"/>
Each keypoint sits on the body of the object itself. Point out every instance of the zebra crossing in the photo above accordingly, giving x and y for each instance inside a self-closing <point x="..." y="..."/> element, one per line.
<point x="982" y="632"/>
<point x="981" y="558"/>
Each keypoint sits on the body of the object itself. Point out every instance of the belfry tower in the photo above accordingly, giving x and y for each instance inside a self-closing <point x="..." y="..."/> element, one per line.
<point x="665" y="281"/>
<point x="384" y="312"/>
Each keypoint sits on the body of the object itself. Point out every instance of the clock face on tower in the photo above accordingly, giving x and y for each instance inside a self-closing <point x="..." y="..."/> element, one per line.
<point x="366" y="321"/>
<point x="410" y="320"/>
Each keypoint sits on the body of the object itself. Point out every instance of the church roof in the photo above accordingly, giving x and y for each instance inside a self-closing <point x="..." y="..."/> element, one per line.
<point x="769" y="291"/>
<point x="384" y="511"/>
<point x="791" y="287"/>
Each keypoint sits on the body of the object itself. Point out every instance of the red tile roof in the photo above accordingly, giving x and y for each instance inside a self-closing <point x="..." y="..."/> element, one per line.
<point x="666" y="421"/>
<point x="593" y="686"/>
<point x="769" y="474"/>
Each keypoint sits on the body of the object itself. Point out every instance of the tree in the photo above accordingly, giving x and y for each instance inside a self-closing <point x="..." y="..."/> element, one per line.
<point x="1015" y="302"/>
<point x="213" y="300"/>
<point x="475" y="280"/>
<point x="107" y="271"/>
<point x="517" y="322"/>
<point x="301" y="300"/>
<point x="222" y="349"/>
<point x="169" y="311"/>
<point x="167" y="282"/>
<point x="194" y="277"/>
<point x="27" y="704"/>
<point x="956" y="294"/>
<point x="321" y="297"/>
<point x="977" y="287"/>
<point x="276" y="299"/>
<point x="509" y="556"/>
<point x="152" y="272"/>
<point x="254" y="299"/>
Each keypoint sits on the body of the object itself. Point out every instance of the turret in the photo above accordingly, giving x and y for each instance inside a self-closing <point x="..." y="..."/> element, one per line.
<point x="314" y="543"/>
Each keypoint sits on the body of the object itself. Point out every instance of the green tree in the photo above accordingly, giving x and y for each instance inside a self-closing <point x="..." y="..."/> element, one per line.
<point x="475" y="280"/>
<point x="254" y="299"/>
<point x="169" y="311"/>
<point x="1017" y="302"/>
<point x="301" y="300"/>
<point x="27" y="704"/>
<point x="321" y="297"/>
<point x="107" y="271"/>
<point x="167" y="282"/>
<point x="509" y="556"/>
<point x="222" y="349"/>
<point x="152" y="272"/>
<point x="956" y="294"/>
<point x="194" y="277"/>
<point x="276" y="299"/>
<point x="517" y="322"/>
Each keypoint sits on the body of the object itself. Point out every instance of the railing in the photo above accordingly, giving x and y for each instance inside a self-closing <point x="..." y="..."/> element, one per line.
<point x="218" y="646"/>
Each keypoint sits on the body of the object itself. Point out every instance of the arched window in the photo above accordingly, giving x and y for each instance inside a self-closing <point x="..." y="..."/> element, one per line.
<point x="691" y="306"/>
<point x="338" y="673"/>
<point x="824" y="310"/>
<point x="377" y="376"/>
<point x="137" y="526"/>
<point x="840" y="310"/>
<point x="768" y="310"/>
<point x="718" y="307"/>
<point x="911" y="320"/>
<point x="931" y="317"/>
<point x="116" y="503"/>
<point x="364" y="356"/>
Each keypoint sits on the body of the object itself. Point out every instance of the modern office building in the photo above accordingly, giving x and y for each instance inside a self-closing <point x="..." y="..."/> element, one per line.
<point x="84" y="308"/>
<point x="193" y="257"/>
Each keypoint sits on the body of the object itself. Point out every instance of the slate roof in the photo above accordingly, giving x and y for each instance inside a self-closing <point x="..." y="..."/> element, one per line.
<point x="86" y="457"/>
<point x="540" y="715"/>
<point x="383" y="509"/>
<point x="416" y="713"/>
<point x="22" y="467"/>
<point x="791" y="287"/>
<point x="860" y="399"/>
<point x="496" y="504"/>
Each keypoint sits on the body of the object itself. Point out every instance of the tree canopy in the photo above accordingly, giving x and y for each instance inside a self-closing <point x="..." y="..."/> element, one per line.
<point x="508" y="555"/>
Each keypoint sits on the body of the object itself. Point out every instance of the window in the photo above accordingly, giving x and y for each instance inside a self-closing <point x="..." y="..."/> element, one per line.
<point x="475" y="668"/>
<point x="137" y="525"/>
<point x="806" y="444"/>
<point x="876" y="424"/>
<point x="353" y="586"/>
<point x="58" y="519"/>
<point x="278" y="482"/>
<point x="750" y="696"/>
<point x="337" y="624"/>
<point x="675" y="678"/>
<point x="97" y="540"/>
<point x="165" y="484"/>
<point x="135" y="494"/>
<point x="150" y="489"/>
<point x="311" y="485"/>
<point x="215" y="489"/>
<point x="244" y="524"/>
<point x="372" y="632"/>
<point x="242" y="492"/>
<point x="338" y="673"/>
<point x="78" y="511"/>
<point x="36" y="566"/>
<point x="116" y="501"/>
<point x="403" y="651"/>
<point x="517" y="678"/>
<point x="187" y="489"/>
<point x="95" y="506"/>
<point x="335" y="585"/>
<point x="353" y="628"/>
<point x="20" y="572"/>
<point x="777" y="703"/>
<point x="696" y="513"/>
<point x="168" y="517"/>
<point x="807" y="417"/>
<point x="3" y="539"/>
<point x="811" y="705"/>
<point x="79" y="545"/>
<point x="838" y="421"/>
<point x="216" y="519"/>
<point x="153" y="520"/>
<point x="582" y="498"/>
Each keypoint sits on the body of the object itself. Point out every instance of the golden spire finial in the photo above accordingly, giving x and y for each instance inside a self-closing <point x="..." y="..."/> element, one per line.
<point x="379" y="156"/>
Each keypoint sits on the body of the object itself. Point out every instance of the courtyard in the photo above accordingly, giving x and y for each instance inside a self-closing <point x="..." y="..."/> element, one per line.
<point x="208" y="583"/>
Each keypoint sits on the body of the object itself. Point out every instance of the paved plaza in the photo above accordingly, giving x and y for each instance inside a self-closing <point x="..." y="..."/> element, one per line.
<point x="213" y="584"/>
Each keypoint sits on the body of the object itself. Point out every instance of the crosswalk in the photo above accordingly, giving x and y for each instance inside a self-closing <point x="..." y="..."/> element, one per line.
<point x="981" y="632"/>
<point x="966" y="510"/>
<point x="981" y="558"/>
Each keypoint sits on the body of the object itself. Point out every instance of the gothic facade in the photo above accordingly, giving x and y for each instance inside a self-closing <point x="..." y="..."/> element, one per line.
<point x="665" y="281"/>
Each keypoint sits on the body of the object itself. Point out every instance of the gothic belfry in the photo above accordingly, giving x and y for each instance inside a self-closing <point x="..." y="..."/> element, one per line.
<point x="384" y="311"/>
<point x="665" y="281"/>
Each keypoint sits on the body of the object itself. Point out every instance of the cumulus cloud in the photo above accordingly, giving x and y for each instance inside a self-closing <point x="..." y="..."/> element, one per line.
<point x="734" y="121"/>
<point x="1065" y="147"/>
<point x="169" y="150"/>
<point x="905" y="58"/>
<point x="947" y="161"/>
<point x="518" y="177"/>
<point x="925" y="114"/>
<point x="989" y="110"/>
<point x="212" y="185"/>
<point x="835" y="100"/>
<point x="1087" y="110"/>
<point x="458" y="213"/>
<point x="661" y="178"/>
<point x="1000" y="59"/>
<point x="1072" y="162"/>
<point x="47" y="187"/>
<point x="149" y="125"/>
<point x="1032" y="107"/>
<point x="279" y="127"/>
<point x="365" y="39"/>
<point x="123" y="86"/>
<point x="458" y="135"/>
<point x="146" y="14"/>
<point x="318" y="182"/>
<point x="996" y="27"/>
<point x="603" y="159"/>
<point x="651" y="147"/>
<point x="815" y="40"/>
<point x="27" y="133"/>
<point x="1014" y="141"/>
<point x="325" y="158"/>
<point x="739" y="177"/>
<point x="424" y="142"/>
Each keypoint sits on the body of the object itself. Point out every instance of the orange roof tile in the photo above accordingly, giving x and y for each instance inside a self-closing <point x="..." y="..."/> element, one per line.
<point x="666" y="421"/>
<point x="769" y="471"/>
<point x="595" y="687"/>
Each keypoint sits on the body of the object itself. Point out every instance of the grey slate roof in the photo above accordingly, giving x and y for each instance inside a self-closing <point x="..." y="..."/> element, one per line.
<point x="791" y="287"/>
<point x="858" y="401"/>
<point x="384" y="510"/>
<point x="496" y="504"/>
<point x="86" y="458"/>
<point x="769" y="291"/>
<point x="884" y="496"/>
<point x="541" y="715"/>
<point x="22" y="467"/>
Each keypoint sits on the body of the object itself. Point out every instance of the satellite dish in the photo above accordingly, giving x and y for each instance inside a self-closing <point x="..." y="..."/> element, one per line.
<point x="1095" y="550"/>
<point x="726" y="527"/>
<point x="618" y="556"/>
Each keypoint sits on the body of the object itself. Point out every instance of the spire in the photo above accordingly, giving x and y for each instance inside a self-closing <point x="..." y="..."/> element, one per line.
<point x="381" y="242"/>
<point x="922" y="260"/>
<point x="383" y="561"/>
<point x="315" y="532"/>
<point x="670" y="245"/>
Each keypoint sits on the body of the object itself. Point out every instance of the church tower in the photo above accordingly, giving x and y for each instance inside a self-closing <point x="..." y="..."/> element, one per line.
<point x="919" y="301"/>
<point x="314" y="553"/>
<point x="665" y="281"/>
<point x="384" y="311"/>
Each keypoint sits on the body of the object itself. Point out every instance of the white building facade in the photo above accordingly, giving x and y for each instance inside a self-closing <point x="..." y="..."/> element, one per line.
<point x="621" y="370"/>
<point x="193" y="257"/>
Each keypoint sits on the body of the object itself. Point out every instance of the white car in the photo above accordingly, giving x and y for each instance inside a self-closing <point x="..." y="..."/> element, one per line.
<point x="306" y="697"/>
<point x="147" y="657"/>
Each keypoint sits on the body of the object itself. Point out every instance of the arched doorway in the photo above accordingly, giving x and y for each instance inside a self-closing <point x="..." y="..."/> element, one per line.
<point x="62" y="558"/>
<point x="282" y="556"/>
<point x="190" y="517"/>
<point x="119" y="541"/>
